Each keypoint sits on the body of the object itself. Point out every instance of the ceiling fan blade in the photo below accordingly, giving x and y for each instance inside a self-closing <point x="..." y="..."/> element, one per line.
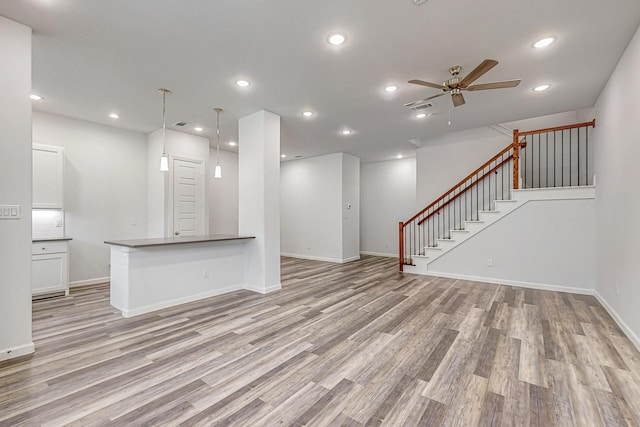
<point x="413" y="104"/>
<point x="496" y="85"/>
<point x="486" y="65"/>
<point x="458" y="99"/>
<point x="428" y="84"/>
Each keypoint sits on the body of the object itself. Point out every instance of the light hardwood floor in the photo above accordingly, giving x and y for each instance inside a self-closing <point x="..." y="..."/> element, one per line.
<point x="353" y="344"/>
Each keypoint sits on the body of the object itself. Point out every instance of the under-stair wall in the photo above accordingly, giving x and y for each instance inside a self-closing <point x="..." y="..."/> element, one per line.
<point x="545" y="239"/>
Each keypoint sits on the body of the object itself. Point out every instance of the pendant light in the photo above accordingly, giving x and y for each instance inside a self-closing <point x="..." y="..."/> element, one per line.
<point x="217" y="173"/>
<point x="164" y="160"/>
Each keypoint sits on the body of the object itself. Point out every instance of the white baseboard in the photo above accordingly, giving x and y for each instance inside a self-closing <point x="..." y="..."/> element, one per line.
<point x="531" y="285"/>
<point x="317" y="258"/>
<point x="12" y="353"/>
<point x="178" y="301"/>
<point x="379" y="254"/>
<point x="89" y="282"/>
<point x="621" y="323"/>
<point x="263" y="290"/>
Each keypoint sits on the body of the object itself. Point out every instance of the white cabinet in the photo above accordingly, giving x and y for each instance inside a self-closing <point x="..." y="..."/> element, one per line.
<point x="48" y="177"/>
<point x="50" y="267"/>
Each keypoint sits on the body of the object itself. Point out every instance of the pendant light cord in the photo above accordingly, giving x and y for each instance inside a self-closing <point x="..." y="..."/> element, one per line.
<point x="218" y="135"/>
<point x="164" y="119"/>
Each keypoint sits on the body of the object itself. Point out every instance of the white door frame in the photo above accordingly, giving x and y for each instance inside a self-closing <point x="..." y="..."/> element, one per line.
<point x="202" y="194"/>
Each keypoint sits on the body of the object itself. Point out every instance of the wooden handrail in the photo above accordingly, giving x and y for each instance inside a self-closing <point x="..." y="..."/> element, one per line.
<point x="592" y="123"/>
<point x="487" y="163"/>
<point x="492" y="170"/>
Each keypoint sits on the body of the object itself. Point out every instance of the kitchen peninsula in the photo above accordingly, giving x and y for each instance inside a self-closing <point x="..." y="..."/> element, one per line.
<point x="152" y="274"/>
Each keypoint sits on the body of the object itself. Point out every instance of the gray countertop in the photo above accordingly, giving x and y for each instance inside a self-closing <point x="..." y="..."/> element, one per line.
<point x="50" y="239"/>
<point x="168" y="241"/>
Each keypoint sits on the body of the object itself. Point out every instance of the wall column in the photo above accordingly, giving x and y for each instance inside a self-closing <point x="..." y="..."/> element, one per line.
<point x="15" y="176"/>
<point x="259" y="198"/>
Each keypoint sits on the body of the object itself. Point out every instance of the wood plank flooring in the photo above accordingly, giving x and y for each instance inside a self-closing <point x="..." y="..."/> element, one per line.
<point x="356" y="344"/>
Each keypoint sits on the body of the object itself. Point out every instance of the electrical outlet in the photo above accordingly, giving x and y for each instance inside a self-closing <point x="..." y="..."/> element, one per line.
<point x="205" y="273"/>
<point x="490" y="262"/>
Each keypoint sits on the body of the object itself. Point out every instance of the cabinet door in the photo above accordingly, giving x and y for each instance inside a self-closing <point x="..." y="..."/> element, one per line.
<point x="48" y="171"/>
<point x="49" y="273"/>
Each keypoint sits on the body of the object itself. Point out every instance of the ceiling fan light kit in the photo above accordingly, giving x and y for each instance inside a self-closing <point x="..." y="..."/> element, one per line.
<point x="455" y="85"/>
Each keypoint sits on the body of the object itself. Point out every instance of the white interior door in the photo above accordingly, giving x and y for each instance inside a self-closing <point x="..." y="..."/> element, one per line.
<point x="188" y="197"/>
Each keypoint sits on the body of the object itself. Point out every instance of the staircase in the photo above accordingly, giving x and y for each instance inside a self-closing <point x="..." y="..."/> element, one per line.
<point x="552" y="158"/>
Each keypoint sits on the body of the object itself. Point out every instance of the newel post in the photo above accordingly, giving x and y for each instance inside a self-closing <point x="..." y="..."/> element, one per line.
<point x="401" y="244"/>
<point x="516" y="159"/>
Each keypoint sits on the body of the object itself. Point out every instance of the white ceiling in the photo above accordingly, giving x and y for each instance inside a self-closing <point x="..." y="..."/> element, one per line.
<point x="94" y="57"/>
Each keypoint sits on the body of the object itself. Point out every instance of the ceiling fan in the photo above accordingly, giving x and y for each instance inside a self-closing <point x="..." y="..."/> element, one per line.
<point x="455" y="85"/>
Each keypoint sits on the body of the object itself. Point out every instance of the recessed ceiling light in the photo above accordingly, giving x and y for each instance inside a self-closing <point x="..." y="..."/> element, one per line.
<point x="421" y="115"/>
<point x="232" y="143"/>
<point x="336" y="39"/>
<point x="346" y="132"/>
<point x="541" y="88"/>
<point x="242" y="83"/>
<point x="198" y="129"/>
<point x="399" y="156"/>
<point x="391" y="88"/>
<point x="114" y="116"/>
<point x="35" y="97"/>
<point x="544" y="42"/>
<point x="307" y="113"/>
<point x="283" y="155"/>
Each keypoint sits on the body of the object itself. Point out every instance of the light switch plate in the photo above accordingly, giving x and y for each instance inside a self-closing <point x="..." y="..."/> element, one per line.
<point x="10" y="211"/>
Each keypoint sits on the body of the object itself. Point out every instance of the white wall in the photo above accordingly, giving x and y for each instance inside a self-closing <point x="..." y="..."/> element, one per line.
<point x="311" y="207"/>
<point x="223" y="194"/>
<point x="178" y="144"/>
<point x="443" y="161"/>
<point x="104" y="188"/>
<point x="618" y="202"/>
<point x="387" y="196"/>
<point x="544" y="242"/>
<point x="350" y="207"/>
<point x="317" y="222"/>
<point x="15" y="189"/>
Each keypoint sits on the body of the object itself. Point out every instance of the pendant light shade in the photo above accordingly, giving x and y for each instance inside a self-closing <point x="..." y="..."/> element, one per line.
<point x="164" y="160"/>
<point x="217" y="172"/>
<point x="164" y="163"/>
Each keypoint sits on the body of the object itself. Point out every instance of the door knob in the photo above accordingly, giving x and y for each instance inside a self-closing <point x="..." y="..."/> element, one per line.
<point x="177" y="233"/>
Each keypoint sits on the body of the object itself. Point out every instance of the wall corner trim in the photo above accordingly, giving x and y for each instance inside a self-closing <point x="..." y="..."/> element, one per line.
<point x="12" y="353"/>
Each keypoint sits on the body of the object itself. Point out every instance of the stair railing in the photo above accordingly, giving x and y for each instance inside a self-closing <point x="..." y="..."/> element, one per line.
<point x="557" y="157"/>
<point x="462" y="202"/>
<point x="561" y="152"/>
